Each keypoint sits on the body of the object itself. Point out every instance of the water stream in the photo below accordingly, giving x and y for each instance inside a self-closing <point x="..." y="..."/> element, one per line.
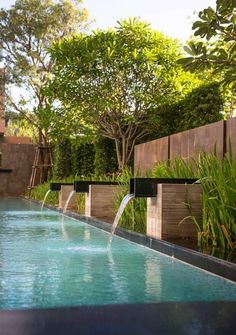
<point x="44" y="200"/>
<point x="121" y="209"/>
<point x="68" y="201"/>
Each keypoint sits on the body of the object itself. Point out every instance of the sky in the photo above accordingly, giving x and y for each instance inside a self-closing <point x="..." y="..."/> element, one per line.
<point x="173" y="17"/>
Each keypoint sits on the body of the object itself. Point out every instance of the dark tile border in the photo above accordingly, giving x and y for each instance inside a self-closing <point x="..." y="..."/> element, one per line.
<point x="204" y="318"/>
<point x="206" y="262"/>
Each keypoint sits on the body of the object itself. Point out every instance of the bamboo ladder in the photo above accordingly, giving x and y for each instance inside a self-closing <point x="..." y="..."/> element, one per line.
<point x="42" y="165"/>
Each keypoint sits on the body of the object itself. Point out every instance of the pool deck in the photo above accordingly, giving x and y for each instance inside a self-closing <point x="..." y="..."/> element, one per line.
<point x="196" y="318"/>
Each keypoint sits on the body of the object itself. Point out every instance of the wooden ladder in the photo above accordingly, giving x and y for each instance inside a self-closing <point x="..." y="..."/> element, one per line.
<point x="42" y="165"/>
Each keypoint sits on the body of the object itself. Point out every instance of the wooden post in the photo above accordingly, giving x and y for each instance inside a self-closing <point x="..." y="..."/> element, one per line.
<point x="100" y="202"/>
<point x="173" y="203"/>
<point x="63" y="196"/>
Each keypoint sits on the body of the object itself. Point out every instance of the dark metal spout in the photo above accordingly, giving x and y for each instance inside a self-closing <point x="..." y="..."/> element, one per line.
<point x="147" y="187"/>
<point x="82" y="186"/>
<point x="57" y="186"/>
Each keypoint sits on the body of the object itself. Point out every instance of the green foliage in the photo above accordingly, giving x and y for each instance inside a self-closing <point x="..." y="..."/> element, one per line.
<point x="218" y="181"/>
<point x="82" y="155"/>
<point x="27" y="29"/>
<point x="18" y="126"/>
<point x="113" y="79"/>
<point x="219" y="207"/>
<point x="73" y="158"/>
<point x="38" y="193"/>
<point x="105" y="156"/>
<point x="62" y="159"/>
<point x="203" y="105"/>
<point x="216" y="25"/>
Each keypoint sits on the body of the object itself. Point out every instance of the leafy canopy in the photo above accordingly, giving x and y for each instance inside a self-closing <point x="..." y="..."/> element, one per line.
<point x="113" y="80"/>
<point x="218" y="49"/>
<point x="27" y="30"/>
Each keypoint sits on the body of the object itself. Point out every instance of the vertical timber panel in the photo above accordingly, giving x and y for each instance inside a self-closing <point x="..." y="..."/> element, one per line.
<point x="179" y="145"/>
<point x="231" y="135"/>
<point x="207" y="139"/>
<point x="147" y="155"/>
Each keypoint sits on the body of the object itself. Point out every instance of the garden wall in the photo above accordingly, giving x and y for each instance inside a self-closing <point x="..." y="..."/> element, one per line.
<point x="18" y="156"/>
<point x="2" y="114"/>
<point x="187" y="144"/>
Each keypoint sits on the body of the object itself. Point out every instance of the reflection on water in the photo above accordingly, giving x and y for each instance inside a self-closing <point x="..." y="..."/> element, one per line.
<point x="43" y="264"/>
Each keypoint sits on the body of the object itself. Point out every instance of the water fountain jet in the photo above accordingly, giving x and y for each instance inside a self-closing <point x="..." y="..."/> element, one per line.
<point x="45" y="198"/>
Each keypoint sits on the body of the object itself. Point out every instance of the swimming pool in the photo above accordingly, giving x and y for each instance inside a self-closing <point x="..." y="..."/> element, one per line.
<point x="45" y="262"/>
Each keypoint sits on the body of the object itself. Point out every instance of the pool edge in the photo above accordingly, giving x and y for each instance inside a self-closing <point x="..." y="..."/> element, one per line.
<point x="208" y="263"/>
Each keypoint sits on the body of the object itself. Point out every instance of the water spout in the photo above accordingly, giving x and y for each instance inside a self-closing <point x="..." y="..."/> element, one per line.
<point x="44" y="200"/>
<point x="68" y="201"/>
<point x="123" y="204"/>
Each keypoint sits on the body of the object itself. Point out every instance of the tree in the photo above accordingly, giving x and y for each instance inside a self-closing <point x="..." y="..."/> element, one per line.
<point x="27" y="30"/>
<point x="201" y="106"/>
<point x="218" y="50"/>
<point x="112" y="79"/>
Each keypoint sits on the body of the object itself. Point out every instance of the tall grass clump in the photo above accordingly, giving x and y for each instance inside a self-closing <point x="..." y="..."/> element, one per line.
<point x="218" y="180"/>
<point x="134" y="215"/>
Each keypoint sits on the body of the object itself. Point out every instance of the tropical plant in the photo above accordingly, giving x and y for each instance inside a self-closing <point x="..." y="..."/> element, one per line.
<point x="217" y="27"/>
<point x="218" y="181"/>
<point x="201" y="106"/>
<point x="111" y="80"/>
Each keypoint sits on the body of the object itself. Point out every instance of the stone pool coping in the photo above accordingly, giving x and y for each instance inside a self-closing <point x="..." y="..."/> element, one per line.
<point x="209" y="263"/>
<point x="203" y="318"/>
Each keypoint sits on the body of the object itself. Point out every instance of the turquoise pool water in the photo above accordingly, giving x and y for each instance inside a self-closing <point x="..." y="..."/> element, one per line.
<point x="47" y="263"/>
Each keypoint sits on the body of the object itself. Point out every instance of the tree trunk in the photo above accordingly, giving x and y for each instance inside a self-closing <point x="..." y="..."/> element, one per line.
<point x="122" y="152"/>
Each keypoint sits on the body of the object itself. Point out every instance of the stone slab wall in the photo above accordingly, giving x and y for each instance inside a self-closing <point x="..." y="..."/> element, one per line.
<point x="19" y="158"/>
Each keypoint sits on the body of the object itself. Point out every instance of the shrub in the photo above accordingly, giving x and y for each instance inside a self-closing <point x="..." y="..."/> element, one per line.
<point x="105" y="156"/>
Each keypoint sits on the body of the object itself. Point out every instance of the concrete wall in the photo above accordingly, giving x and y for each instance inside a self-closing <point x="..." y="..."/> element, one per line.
<point x="18" y="155"/>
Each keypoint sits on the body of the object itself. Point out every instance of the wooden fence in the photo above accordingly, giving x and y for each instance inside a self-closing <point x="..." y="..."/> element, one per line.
<point x="187" y="144"/>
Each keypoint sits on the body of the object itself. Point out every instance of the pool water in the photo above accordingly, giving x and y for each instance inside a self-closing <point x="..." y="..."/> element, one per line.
<point x="45" y="262"/>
